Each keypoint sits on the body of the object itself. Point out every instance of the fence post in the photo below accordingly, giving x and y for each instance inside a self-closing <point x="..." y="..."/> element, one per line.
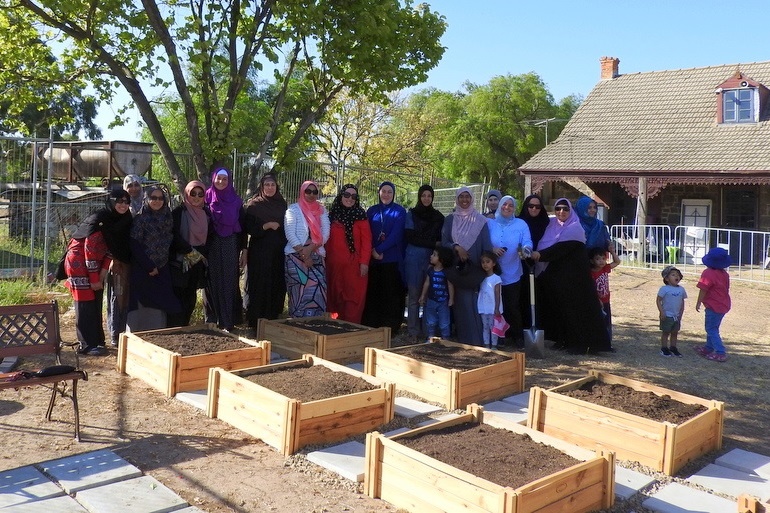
<point x="46" y="247"/>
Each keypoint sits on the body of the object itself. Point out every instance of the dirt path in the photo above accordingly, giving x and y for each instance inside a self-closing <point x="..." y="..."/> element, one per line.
<point x="218" y="468"/>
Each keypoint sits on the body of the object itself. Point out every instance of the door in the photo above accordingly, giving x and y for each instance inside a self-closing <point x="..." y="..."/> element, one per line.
<point x="696" y="217"/>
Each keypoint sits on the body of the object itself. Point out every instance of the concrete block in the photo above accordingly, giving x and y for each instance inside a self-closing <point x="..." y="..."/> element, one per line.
<point x="628" y="482"/>
<point x="347" y="460"/>
<point x="141" y="495"/>
<point x="63" y="504"/>
<point x="731" y="482"/>
<point x="745" y="461"/>
<point x="410" y="408"/>
<point x="521" y="399"/>
<point x="25" y="485"/>
<point x="358" y="366"/>
<point x="197" y="398"/>
<point x="678" y="498"/>
<point x="90" y="469"/>
<point x="508" y="411"/>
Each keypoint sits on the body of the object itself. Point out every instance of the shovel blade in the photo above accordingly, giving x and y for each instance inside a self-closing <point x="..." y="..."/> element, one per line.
<point x="534" y="344"/>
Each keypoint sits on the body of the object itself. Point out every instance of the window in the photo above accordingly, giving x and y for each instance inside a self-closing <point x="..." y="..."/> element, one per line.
<point x="740" y="208"/>
<point x="738" y="105"/>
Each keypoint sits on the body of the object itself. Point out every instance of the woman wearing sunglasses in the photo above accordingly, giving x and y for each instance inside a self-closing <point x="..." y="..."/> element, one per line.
<point x="192" y="228"/>
<point x="306" y="226"/>
<point x="571" y="310"/>
<point x="347" y="256"/>
<point x="100" y="238"/>
<point x="151" y="298"/>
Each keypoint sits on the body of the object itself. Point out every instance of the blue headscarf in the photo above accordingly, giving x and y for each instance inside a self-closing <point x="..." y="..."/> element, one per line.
<point x="596" y="231"/>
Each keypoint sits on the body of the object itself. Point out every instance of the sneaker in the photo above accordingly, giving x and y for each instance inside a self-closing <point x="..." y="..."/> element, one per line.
<point x="664" y="351"/>
<point x="96" y="351"/>
<point x="675" y="352"/>
<point x="716" y="357"/>
<point x="702" y="351"/>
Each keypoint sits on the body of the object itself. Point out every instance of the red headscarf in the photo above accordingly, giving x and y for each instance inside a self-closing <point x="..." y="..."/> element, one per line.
<point x="312" y="210"/>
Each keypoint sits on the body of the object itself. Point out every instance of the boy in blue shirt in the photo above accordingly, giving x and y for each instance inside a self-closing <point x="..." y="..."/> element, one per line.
<point x="670" y="303"/>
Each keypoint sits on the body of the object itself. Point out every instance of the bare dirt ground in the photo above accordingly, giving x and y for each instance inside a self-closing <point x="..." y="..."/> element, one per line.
<point x="218" y="468"/>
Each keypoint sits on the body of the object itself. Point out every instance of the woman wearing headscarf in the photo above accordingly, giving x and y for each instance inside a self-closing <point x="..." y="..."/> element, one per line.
<point x="306" y="225"/>
<point x="223" y="305"/>
<point x="89" y="254"/>
<point x="467" y="233"/>
<point x="386" y="296"/>
<point x="348" y="251"/>
<point x="265" y="280"/>
<point x="511" y="242"/>
<point x="534" y="214"/>
<point x="152" y="297"/>
<point x="191" y="228"/>
<point x="423" y="234"/>
<point x="493" y="200"/>
<point x="573" y="314"/>
<point x="597" y="235"/>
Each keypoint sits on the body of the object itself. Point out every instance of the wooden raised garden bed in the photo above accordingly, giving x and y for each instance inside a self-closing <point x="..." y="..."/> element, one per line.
<point x="664" y="446"/>
<point x="287" y="423"/>
<point x="443" y="385"/>
<point x="171" y="372"/>
<point x="330" y="339"/>
<point x="419" y="483"/>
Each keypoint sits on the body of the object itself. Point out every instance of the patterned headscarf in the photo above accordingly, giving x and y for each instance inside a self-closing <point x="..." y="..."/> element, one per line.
<point x="467" y="223"/>
<point x="347" y="216"/>
<point x="153" y="229"/>
<point x="225" y="205"/>
<point x="312" y="210"/>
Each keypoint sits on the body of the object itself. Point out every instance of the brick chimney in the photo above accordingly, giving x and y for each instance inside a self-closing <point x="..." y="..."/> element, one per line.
<point x="609" y="67"/>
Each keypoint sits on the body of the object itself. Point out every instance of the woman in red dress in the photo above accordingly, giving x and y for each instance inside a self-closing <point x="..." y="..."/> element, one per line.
<point x="347" y="256"/>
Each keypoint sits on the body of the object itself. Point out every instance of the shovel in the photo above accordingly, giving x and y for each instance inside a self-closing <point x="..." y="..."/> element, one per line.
<point x="534" y="339"/>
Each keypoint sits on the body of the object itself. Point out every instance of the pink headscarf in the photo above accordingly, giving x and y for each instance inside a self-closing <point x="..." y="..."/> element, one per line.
<point x="312" y="210"/>
<point x="467" y="222"/>
<point x="198" y="226"/>
<point x="556" y="231"/>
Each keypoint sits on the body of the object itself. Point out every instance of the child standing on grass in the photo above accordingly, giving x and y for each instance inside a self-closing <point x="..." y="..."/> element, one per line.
<point x="714" y="294"/>
<point x="438" y="293"/>
<point x="489" y="304"/>
<point x="670" y="303"/>
<point x="600" y="272"/>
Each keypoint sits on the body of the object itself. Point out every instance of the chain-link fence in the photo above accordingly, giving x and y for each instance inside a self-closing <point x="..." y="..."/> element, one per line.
<point x="47" y="188"/>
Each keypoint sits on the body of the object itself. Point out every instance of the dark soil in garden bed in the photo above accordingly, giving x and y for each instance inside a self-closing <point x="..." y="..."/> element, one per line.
<point x="188" y="343"/>
<point x="324" y="326"/>
<point x="497" y="455"/>
<point x="310" y="383"/>
<point x="635" y="402"/>
<point x="451" y="357"/>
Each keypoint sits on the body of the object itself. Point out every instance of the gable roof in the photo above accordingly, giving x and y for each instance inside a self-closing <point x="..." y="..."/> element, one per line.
<point x="660" y="124"/>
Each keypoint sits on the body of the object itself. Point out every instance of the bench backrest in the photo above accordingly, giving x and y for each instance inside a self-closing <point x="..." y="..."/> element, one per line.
<point x="29" y="329"/>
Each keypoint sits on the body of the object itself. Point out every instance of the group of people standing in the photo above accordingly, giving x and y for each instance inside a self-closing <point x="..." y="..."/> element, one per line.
<point x="362" y="266"/>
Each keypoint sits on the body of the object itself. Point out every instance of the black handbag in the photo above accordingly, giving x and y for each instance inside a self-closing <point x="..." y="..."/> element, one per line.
<point x="61" y="273"/>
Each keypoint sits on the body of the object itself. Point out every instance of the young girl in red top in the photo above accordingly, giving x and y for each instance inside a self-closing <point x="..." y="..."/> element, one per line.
<point x="714" y="294"/>
<point x="600" y="272"/>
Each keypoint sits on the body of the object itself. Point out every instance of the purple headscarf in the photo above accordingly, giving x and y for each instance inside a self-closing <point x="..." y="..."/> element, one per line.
<point x="225" y="205"/>
<point x="569" y="230"/>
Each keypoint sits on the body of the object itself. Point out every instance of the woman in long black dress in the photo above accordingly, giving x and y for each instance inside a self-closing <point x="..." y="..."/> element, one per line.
<point x="263" y="221"/>
<point x="534" y="214"/>
<point x="574" y="317"/>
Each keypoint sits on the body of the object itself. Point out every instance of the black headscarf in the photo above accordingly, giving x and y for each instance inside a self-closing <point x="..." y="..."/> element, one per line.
<point x="115" y="227"/>
<point x="267" y="208"/>
<point x="538" y="223"/>
<point x="427" y="222"/>
<point x="154" y="229"/>
<point x="347" y="216"/>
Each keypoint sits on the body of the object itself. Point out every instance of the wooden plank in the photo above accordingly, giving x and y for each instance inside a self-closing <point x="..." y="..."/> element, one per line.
<point x="348" y="403"/>
<point x="564" y="484"/>
<point x="212" y="393"/>
<point x="372" y="459"/>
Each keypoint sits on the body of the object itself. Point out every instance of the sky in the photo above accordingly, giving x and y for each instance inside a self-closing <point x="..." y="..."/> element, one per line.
<point x="562" y="41"/>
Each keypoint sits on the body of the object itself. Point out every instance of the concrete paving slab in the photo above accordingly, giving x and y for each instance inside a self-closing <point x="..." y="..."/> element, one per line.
<point x="196" y="398"/>
<point x="90" y="469"/>
<point x="508" y="411"/>
<point x="410" y="408"/>
<point x="745" y="461"/>
<point x="521" y="399"/>
<point x="143" y="494"/>
<point x="731" y="482"/>
<point x="191" y="509"/>
<point x="64" y="504"/>
<point x="397" y="431"/>
<point x="24" y="485"/>
<point x="678" y="498"/>
<point x="347" y="460"/>
<point x="8" y="363"/>
<point x="628" y="482"/>
<point x="446" y="416"/>
<point x="359" y="366"/>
